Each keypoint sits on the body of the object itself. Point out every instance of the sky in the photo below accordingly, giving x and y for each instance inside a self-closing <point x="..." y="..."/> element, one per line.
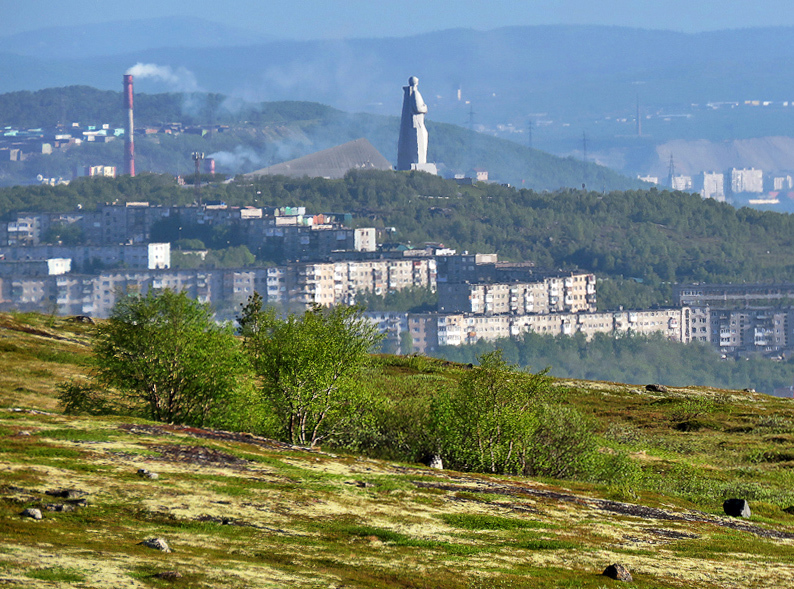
<point x="315" y="19"/>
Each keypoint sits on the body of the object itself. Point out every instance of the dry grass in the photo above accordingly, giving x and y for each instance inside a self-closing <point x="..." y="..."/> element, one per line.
<point x="286" y="517"/>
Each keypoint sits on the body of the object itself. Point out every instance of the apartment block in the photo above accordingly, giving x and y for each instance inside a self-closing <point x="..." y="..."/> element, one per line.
<point x="713" y="186"/>
<point x="683" y="183"/>
<point x="733" y="295"/>
<point x="747" y="330"/>
<point x="152" y="256"/>
<point x="747" y="180"/>
<point x="572" y="292"/>
<point x="33" y="284"/>
<point x="431" y="330"/>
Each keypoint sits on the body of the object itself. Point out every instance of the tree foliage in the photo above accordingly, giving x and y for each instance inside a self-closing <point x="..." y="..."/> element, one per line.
<point x="309" y="366"/>
<point x="488" y="422"/>
<point x="165" y="355"/>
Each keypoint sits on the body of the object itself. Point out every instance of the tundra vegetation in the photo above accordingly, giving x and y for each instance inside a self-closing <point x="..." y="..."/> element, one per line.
<point x="642" y="482"/>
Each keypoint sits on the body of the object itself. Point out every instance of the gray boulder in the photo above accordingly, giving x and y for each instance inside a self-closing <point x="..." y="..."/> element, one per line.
<point x="156" y="544"/>
<point x="736" y="508"/>
<point x="618" y="572"/>
<point x="32" y="512"/>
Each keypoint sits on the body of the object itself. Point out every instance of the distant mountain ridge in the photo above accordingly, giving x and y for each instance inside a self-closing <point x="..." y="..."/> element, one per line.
<point x="507" y="73"/>
<point x="101" y="40"/>
<point x="572" y="84"/>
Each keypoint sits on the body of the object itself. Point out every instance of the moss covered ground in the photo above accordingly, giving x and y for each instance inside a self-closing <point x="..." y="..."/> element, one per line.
<point x="243" y="511"/>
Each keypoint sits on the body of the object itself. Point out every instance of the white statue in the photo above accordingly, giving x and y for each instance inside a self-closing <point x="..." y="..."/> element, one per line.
<point x="412" y="147"/>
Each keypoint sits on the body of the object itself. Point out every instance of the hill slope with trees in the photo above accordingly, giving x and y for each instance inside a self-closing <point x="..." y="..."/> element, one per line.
<point x="261" y="134"/>
<point x="638" y="242"/>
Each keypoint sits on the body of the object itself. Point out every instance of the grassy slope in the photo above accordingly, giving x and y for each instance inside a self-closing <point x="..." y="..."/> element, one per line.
<point x="314" y="519"/>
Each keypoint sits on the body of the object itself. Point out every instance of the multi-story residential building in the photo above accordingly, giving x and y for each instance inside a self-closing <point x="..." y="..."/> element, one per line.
<point x="285" y="235"/>
<point x="570" y="292"/>
<point x="152" y="256"/>
<point x="782" y="182"/>
<point x="28" y="268"/>
<point x="733" y="295"/>
<point x="713" y="186"/>
<point x="32" y="285"/>
<point x="431" y="330"/>
<point x="760" y="330"/>
<point x="466" y="268"/>
<point x="423" y="328"/>
<point x="674" y="324"/>
<point x="700" y="324"/>
<point x="683" y="183"/>
<point x="747" y="180"/>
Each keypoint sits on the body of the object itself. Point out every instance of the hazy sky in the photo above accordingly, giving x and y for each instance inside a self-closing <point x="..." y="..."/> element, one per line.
<point x="305" y="19"/>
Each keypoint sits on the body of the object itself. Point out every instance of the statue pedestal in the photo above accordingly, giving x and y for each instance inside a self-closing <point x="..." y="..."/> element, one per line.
<point x="429" y="168"/>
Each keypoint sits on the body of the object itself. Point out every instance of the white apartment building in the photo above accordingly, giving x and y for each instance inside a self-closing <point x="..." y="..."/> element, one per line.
<point x="431" y="330"/>
<point x="683" y="183"/>
<point x="713" y="186"/>
<point x="152" y="256"/>
<point x="572" y="292"/>
<point x="747" y="180"/>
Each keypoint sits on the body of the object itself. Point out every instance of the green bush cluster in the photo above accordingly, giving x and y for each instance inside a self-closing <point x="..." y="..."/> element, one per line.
<point x="310" y="379"/>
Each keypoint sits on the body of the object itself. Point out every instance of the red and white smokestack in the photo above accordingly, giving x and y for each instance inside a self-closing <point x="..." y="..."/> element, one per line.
<point x="129" y="141"/>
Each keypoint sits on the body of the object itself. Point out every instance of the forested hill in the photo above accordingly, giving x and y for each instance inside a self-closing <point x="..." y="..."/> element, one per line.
<point x="642" y="240"/>
<point x="261" y="134"/>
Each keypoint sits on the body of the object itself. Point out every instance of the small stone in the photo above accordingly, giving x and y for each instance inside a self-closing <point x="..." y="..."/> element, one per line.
<point x="23" y="432"/>
<point x="147" y="474"/>
<point x="364" y="484"/>
<point x="157" y="544"/>
<point x="32" y="512"/>
<point x="169" y="575"/>
<point x="618" y="572"/>
<point x="736" y="508"/>
<point x="655" y="388"/>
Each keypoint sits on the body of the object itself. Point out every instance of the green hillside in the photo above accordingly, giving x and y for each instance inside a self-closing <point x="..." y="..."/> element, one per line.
<point x="243" y="510"/>
<point x="265" y="133"/>
<point x="642" y="240"/>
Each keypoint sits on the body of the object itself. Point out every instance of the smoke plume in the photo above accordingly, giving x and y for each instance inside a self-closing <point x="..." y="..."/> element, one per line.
<point x="177" y="80"/>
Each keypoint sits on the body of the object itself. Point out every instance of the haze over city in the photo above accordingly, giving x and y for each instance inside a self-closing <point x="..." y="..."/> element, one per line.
<point x="324" y="19"/>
